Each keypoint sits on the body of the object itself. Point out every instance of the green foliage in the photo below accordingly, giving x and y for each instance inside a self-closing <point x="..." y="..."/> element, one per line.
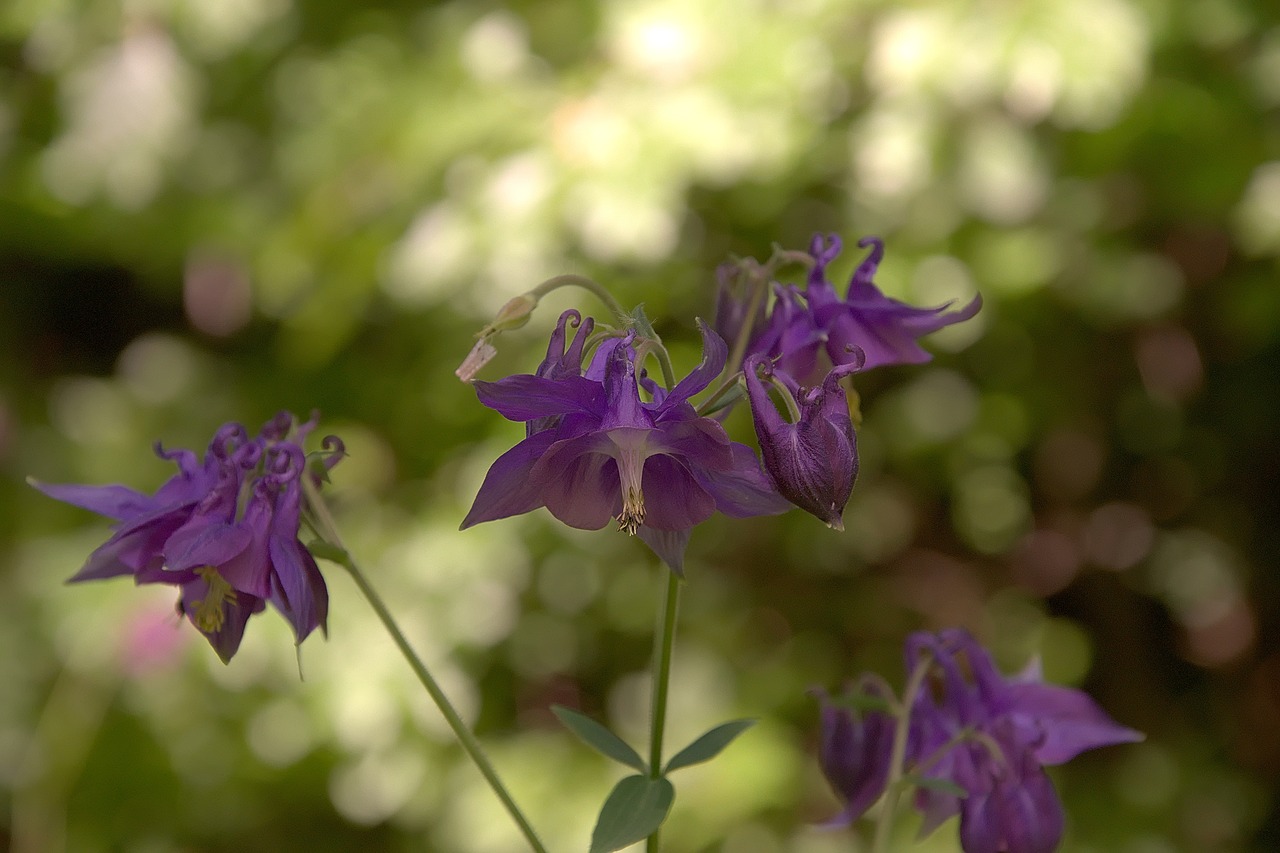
<point x="634" y="810"/>
<point x="599" y="738"/>
<point x="708" y="745"/>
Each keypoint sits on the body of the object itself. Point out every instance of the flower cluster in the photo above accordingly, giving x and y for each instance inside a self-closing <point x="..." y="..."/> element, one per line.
<point x="224" y="530"/>
<point x="971" y="728"/>
<point x="595" y="450"/>
<point x="814" y="459"/>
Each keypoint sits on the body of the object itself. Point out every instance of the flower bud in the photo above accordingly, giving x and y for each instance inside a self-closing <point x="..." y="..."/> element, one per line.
<point x="814" y="461"/>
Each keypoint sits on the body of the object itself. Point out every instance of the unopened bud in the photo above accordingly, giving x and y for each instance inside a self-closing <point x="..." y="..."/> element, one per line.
<point x="514" y="314"/>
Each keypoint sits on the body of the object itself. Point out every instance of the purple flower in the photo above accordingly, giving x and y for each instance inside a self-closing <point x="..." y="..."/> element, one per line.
<point x="855" y="749"/>
<point x="992" y="736"/>
<point x="885" y="329"/>
<point x="223" y="529"/>
<point x="804" y="322"/>
<point x="595" y="450"/>
<point x="974" y="729"/>
<point x="813" y="461"/>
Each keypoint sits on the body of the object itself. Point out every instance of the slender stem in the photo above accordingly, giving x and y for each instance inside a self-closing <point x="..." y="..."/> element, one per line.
<point x="788" y="399"/>
<point x="464" y="735"/>
<point x="663" y="641"/>
<point x="894" y="785"/>
<point x="759" y="290"/>
<point x="575" y="280"/>
<point x="322" y="521"/>
<point x="725" y="394"/>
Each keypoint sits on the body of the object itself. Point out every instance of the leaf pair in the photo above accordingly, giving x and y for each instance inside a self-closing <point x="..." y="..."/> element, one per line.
<point x="638" y="804"/>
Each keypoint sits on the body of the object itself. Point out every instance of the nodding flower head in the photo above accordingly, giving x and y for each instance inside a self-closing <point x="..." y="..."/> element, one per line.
<point x="805" y="321"/>
<point x="224" y="530"/>
<point x="983" y="737"/>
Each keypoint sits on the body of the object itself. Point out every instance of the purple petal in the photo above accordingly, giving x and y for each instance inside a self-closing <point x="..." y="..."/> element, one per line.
<point x="204" y="541"/>
<point x="883" y="340"/>
<point x="714" y="355"/>
<point x="236" y="611"/>
<point x="823" y="249"/>
<point x="299" y="592"/>
<point x="702" y="440"/>
<point x="1070" y="721"/>
<point x="249" y="570"/>
<point x="745" y="490"/>
<point x="623" y="407"/>
<point x="861" y="286"/>
<point x="524" y="397"/>
<point x="509" y="488"/>
<point x="578" y="481"/>
<point x="1021" y="813"/>
<point x="128" y="553"/>
<point x="673" y="499"/>
<point x="118" y="502"/>
<point x="669" y="545"/>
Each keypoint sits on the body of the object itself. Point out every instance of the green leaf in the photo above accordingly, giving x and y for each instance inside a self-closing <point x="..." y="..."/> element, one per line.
<point x="599" y="738"/>
<point x="635" y="808"/>
<point x="943" y="786"/>
<point x="709" y="745"/>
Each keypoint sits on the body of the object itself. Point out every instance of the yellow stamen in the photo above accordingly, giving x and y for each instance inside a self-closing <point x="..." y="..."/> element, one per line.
<point x="632" y="515"/>
<point x="209" y="613"/>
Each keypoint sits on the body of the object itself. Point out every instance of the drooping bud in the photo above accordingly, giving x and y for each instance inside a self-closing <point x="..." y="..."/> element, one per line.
<point x="813" y="461"/>
<point x="514" y="314"/>
<point x="856" y="748"/>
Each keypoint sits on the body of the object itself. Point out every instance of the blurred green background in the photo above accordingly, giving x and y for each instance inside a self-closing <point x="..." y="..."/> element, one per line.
<point x="210" y="211"/>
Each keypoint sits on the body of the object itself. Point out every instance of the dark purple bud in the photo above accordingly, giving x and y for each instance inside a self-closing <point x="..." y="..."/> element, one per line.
<point x="855" y="750"/>
<point x="814" y="461"/>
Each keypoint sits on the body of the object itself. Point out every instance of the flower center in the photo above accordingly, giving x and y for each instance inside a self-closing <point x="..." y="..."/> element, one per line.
<point x="209" y="613"/>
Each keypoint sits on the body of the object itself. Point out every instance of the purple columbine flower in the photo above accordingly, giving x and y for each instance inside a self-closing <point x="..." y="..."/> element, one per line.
<point x="596" y="451"/>
<point x="804" y="322"/>
<point x="885" y="329"/>
<point x="814" y="461"/>
<point x="989" y="735"/>
<point x="223" y="529"/>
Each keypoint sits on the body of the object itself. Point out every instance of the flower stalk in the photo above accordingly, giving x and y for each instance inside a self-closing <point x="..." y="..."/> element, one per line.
<point x="895" y="785"/>
<point x="663" y="642"/>
<point x="325" y="528"/>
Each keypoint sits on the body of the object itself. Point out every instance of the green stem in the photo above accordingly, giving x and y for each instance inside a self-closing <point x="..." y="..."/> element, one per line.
<point x="663" y="641"/>
<point x="464" y="735"/>
<point x="759" y="290"/>
<point x="894" y="785"/>
<point x="575" y="280"/>
<point x="324" y="526"/>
